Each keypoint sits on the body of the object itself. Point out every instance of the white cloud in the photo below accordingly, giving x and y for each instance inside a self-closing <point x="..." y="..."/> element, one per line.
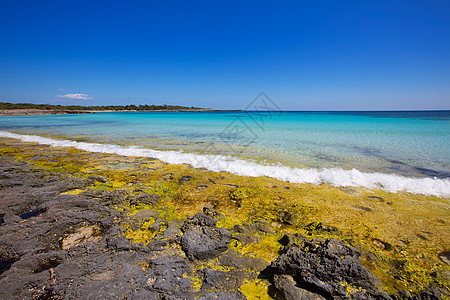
<point x="61" y="89"/>
<point x="76" y="96"/>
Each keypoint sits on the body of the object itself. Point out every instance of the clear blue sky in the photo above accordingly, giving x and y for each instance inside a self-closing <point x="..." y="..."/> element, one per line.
<point x="306" y="55"/>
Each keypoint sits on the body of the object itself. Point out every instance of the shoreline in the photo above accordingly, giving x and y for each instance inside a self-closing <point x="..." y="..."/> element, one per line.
<point x="338" y="177"/>
<point x="32" y="112"/>
<point x="386" y="227"/>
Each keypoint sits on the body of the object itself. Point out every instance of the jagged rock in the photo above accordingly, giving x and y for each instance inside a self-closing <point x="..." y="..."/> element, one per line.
<point x="431" y="293"/>
<point x="172" y="231"/>
<point x="198" y="221"/>
<point x="287" y="217"/>
<point x="290" y="239"/>
<point x="168" y="176"/>
<point x="167" y="275"/>
<point x="205" y="243"/>
<point x="96" y="262"/>
<point x="144" y="198"/>
<point x="322" y="267"/>
<point x="184" y="179"/>
<point x="264" y="227"/>
<point x="98" y="178"/>
<point x="320" y="228"/>
<point x="287" y="290"/>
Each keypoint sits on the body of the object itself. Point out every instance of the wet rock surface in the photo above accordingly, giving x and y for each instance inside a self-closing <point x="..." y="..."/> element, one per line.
<point x="202" y="240"/>
<point x="328" y="269"/>
<point x="57" y="246"/>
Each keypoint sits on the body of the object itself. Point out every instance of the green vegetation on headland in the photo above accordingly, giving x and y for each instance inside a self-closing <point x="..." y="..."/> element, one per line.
<point x="403" y="238"/>
<point x="145" y="107"/>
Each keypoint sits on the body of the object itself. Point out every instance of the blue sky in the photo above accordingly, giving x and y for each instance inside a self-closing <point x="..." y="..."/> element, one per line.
<point x="306" y="55"/>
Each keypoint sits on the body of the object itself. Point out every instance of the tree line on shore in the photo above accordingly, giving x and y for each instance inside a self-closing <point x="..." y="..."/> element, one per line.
<point x="132" y="107"/>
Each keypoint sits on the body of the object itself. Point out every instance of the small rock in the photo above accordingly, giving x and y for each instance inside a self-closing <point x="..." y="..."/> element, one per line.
<point x="172" y="231"/>
<point x="197" y="221"/>
<point x="156" y="226"/>
<point x="205" y="243"/>
<point x="293" y="239"/>
<point x="98" y="178"/>
<point x="168" y="176"/>
<point x="445" y="257"/>
<point x="145" y="198"/>
<point x="362" y="208"/>
<point x="382" y="245"/>
<point x="376" y="198"/>
<point x="184" y="179"/>
<point x="287" y="217"/>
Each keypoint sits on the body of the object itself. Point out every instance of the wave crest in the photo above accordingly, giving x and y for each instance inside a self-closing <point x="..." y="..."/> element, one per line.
<point x="218" y="163"/>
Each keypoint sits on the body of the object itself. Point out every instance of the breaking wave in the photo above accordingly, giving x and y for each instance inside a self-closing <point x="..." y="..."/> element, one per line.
<point x="217" y="163"/>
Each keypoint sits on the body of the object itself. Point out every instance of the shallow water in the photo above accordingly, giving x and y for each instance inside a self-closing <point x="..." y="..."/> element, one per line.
<point x="335" y="147"/>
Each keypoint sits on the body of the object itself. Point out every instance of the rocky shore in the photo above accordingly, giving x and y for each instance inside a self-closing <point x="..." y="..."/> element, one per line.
<point x="64" y="236"/>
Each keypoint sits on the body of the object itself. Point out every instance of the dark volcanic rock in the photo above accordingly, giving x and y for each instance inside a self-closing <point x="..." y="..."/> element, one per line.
<point x="167" y="275"/>
<point x="184" y="179"/>
<point x="431" y="293"/>
<point x="56" y="246"/>
<point x="115" y="197"/>
<point x="287" y="290"/>
<point x="198" y="221"/>
<point x="287" y="217"/>
<point x="144" y="198"/>
<point x="98" y="178"/>
<point x="205" y="243"/>
<point x="321" y="267"/>
<point x="226" y="281"/>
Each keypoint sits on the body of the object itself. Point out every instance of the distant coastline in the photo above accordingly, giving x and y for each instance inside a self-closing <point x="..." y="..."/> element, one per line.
<point x="18" y="109"/>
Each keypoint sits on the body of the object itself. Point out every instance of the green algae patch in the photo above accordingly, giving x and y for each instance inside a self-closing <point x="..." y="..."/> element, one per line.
<point x="400" y="235"/>
<point x="143" y="234"/>
<point x="257" y="289"/>
<point x="268" y="248"/>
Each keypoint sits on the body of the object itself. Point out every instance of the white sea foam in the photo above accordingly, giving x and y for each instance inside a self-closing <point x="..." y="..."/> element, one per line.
<point x="335" y="176"/>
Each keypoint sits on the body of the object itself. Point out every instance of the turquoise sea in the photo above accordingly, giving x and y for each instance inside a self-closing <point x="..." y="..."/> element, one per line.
<point x="401" y="150"/>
